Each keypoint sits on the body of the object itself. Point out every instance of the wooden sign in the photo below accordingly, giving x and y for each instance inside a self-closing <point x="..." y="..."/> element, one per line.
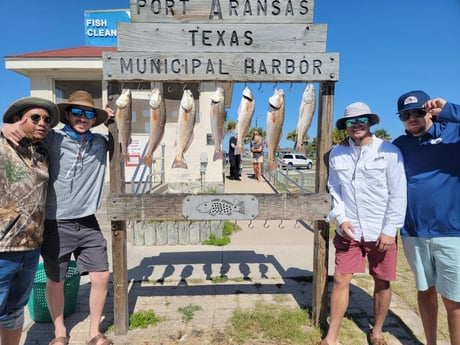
<point x="222" y="11"/>
<point x="244" y="67"/>
<point x="227" y="38"/>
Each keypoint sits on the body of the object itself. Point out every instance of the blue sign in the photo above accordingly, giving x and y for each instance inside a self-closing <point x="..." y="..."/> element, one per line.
<point x="101" y="27"/>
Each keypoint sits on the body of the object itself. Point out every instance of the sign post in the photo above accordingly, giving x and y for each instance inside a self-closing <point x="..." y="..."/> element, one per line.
<point x="232" y="41"/>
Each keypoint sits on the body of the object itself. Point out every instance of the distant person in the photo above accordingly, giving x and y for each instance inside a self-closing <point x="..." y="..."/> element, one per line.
<point x="23" y="185"/>
<point x="234" y="158"/>
<point x="77" y="176"/>
<point x="431" y="232"/>
<point x="368" y="188"/>
<point x="257" y="156"/>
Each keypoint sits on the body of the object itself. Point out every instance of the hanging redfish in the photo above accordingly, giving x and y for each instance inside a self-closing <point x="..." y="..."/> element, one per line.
<point x="306" y="111"/>
<point x="245" y="113"/>
<point x="124" y="117"/>
<point x="217" y="116"/>
<point x="157" y="123"/>
<point x="275" y="119"/>
<point x="185" y="125"/>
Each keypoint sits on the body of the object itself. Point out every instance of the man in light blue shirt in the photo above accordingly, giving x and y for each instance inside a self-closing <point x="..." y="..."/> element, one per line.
<point x="368" y="188"/>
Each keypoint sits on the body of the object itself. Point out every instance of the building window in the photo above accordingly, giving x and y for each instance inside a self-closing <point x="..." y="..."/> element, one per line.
<point x="64" y="88"/>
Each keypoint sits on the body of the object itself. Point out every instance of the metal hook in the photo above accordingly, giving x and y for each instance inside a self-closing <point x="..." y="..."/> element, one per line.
<point x="274" y="86"/>
<point x="290" y="87"/>
<point x="170" y="89"/>
<point x="280" y="225"/>
<point x="250" y="225"/>
<point x="297" y="224"/>
<point x="260" y="88"/>
<point x="266" y="225"/>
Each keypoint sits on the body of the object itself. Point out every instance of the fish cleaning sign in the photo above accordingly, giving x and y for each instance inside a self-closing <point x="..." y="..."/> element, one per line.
<point x="220" y="207"/>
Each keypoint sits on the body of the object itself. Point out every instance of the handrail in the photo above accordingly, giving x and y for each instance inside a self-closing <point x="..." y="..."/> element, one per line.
<point x="147" y="181"/>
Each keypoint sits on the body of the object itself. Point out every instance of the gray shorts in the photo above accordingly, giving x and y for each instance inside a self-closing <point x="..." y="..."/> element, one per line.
<point x="82" y="237"/>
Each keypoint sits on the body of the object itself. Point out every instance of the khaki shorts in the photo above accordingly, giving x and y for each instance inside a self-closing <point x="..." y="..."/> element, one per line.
<point x="258" y="160"/>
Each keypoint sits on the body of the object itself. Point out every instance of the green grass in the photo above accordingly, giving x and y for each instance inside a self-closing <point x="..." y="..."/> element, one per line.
<point x="227" y="231"/>
<point x="274" y="323"/>
<point x="188" y="312"/>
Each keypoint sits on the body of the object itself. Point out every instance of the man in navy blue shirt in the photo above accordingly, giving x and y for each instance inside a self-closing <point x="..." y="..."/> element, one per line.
<point x="431" y="232"/>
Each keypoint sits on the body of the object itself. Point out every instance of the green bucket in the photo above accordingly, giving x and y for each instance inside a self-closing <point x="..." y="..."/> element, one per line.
<point x="38" y="308"/>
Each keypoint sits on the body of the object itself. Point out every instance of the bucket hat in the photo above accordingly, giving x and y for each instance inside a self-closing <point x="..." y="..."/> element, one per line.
<point x="355" y="110"/>
<point x="412" y="100"/>
<point x="21" y="104"/>
<point x="82" y="98"/>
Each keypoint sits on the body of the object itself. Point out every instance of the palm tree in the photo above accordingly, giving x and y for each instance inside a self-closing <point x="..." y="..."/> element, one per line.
<point x="382" y="134"/>
<point x="338" y="136"/>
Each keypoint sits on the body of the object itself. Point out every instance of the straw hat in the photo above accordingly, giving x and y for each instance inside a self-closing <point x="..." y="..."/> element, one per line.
<point x="18" y="106"/>
<point x="82" y="98"/>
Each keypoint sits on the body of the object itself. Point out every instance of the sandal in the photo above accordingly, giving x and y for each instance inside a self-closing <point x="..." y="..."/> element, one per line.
<point x="59" y="340"/>
<point x="100" y="336"/>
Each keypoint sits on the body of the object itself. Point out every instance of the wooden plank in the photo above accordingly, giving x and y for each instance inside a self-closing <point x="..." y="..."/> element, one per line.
<point x="321" y="238"/>
<point x="258" y="67"/>
<point x="119" y="246"/>
<point x="218" y="11"/>
<point x="169" y="206"/>
<point x="221" y="38"/>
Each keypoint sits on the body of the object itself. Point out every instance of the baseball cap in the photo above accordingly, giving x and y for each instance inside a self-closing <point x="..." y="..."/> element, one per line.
<point x="412" y="100"/>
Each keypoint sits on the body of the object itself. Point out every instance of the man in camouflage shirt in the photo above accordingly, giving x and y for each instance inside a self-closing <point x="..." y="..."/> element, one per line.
<point x="23" y="186"/>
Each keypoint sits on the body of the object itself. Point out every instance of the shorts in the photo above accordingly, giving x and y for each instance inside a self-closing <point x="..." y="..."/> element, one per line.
<point x="16" y="282"/>
<point x="258" y="160"/>
<point x="350" y="258"/>
<point x="435" y="262"/>
<point x="81" y="237"/>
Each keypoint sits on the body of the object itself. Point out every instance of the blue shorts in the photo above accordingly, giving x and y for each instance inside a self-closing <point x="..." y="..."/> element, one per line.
<point x="81" y="237"/>
<point x="16" y="281"/>
<point x="435" y="262"/>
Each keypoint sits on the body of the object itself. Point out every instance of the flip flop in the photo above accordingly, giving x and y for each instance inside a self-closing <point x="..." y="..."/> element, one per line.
<point x="59" y="340"/>
<point x="95" y="340"/>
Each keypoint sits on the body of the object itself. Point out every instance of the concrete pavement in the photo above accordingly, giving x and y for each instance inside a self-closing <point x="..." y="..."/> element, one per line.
<point x="263" y="261"/>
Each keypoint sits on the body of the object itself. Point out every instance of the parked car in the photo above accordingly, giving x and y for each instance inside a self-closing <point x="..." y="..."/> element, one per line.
<point x="295" y="160"/>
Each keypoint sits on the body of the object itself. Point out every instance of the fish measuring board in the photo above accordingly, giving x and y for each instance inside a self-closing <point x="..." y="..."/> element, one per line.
<point x="214" y="207"/>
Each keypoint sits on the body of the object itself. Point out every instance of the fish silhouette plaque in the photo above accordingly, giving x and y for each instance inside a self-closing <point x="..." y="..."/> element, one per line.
<point x="220" y="207"/>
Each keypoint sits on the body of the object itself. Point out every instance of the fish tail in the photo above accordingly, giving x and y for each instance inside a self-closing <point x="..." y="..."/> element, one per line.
<point x="148" y="160"/>
<point x="179" y="163"/>
<point x="300" y="148"/>
<point x="271" y="165"/>
<point x="218" y="154"/>
<point x="240" y="207"/>
<point x="125" y="156"/>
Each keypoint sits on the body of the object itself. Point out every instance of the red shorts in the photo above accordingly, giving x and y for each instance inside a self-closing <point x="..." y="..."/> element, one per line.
<point x="350" y="258"/>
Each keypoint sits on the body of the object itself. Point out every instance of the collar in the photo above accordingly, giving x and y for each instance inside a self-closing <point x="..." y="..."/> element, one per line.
<point x="88" y="136"/>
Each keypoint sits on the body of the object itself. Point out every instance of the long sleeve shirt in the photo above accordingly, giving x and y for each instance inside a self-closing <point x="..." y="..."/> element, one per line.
<point x="23" y="184"/>
<point x="368" y="188"/>
<point x="433" y="177"/>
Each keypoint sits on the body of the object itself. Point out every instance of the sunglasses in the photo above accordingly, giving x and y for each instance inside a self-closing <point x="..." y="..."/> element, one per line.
<point x="405" y="115"/>
<point x="36" y="118"/>
<point x="357" y="121"/>
<point x="77" y="112"/>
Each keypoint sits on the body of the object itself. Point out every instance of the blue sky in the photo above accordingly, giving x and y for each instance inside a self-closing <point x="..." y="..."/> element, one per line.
<point x="386" y="48"/>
